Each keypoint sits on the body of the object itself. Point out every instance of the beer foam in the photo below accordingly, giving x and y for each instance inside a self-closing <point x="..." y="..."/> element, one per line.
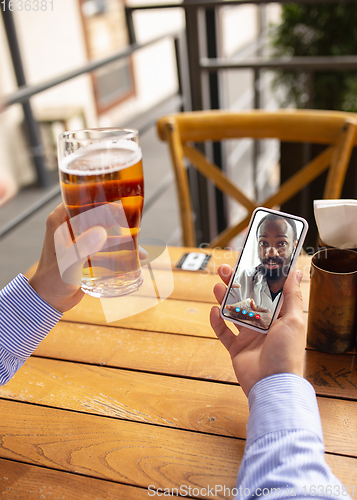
<point x="101" y="158"/>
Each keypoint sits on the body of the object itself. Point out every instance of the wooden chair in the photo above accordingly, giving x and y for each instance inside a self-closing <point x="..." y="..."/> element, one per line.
<point x="334" y="129"/>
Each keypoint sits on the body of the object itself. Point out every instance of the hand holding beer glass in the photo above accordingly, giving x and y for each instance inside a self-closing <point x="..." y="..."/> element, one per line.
<point x="102" y="185"/>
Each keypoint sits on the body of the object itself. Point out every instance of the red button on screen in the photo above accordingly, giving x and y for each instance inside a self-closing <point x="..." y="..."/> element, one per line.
<point x="257" y="316"/>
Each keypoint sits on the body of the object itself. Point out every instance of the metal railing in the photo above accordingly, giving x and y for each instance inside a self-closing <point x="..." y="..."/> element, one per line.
<point x="200" y="64"/>
<point x="202" y="61"/>
<point x="24" y="93"/>
<point x="204" y="67"/>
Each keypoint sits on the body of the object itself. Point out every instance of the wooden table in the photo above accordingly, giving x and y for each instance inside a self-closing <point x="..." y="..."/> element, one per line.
<point x="103" y="411"/>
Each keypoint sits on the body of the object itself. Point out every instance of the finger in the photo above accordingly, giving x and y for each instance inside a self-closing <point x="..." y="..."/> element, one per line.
<point x="60" y="214"/>
<point x="225" y="272"/>
<point x="243" y="304"/>
<point x="259" y="309"/>
<point x="91" y="241"/>
<point x="280" y="312"/>
<point x="219" y="290"/>
<point x="236" y="285"/>
<point x="125" y="243"/>
<point x="142" y="253"/>
<point x="86" y="244"/>
<point x="110" y="215"/>
<point x="292" y="293"/>
<point x="224" y="334"/>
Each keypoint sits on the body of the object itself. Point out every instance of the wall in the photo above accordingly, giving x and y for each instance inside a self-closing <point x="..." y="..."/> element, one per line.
<point x="51" y="43"/>
<point x="154" y="66"/>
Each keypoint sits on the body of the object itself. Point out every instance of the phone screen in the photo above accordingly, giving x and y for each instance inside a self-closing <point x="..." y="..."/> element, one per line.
<point x="271" y="247"/>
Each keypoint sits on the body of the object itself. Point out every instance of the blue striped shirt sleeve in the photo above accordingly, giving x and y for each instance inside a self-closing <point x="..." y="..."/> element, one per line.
<point x="25" y="320"/>
<point x="284" y="453"/>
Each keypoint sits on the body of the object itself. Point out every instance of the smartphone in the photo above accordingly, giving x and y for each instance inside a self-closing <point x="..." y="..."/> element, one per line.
<point x="269" y="253"/>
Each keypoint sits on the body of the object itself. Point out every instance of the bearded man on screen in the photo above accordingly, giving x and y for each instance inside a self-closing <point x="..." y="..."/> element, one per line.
<point x="257" y="291"/>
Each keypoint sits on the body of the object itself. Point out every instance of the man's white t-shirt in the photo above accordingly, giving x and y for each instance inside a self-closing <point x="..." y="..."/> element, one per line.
<point x="253" y="285"/>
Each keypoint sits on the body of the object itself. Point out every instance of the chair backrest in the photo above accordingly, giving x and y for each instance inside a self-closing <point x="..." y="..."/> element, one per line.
<point x="334" y="129"/>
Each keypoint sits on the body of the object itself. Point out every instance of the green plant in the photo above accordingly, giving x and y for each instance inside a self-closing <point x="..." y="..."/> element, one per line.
<point x="317" y="30"/>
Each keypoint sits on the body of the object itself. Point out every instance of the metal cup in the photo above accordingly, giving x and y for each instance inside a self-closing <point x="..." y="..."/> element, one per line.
<point x="332" y="320"/>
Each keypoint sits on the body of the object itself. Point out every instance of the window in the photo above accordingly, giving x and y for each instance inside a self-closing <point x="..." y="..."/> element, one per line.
<point x="105" y="33"/>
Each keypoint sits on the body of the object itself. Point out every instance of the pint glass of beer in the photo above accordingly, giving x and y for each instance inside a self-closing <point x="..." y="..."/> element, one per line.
<point x="102" y="184"/>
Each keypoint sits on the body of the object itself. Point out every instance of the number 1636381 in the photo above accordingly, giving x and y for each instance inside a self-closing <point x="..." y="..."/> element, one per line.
<point x="27" y="5"/>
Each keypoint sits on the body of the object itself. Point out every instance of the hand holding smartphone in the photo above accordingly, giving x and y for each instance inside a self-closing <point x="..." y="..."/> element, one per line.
<point x="269" y="253"/>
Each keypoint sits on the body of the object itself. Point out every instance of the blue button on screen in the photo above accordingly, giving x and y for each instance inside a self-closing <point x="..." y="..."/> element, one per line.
<point x="251" y="314"/>
<point x="237" y="309"/>
<point x="244" y="311"/>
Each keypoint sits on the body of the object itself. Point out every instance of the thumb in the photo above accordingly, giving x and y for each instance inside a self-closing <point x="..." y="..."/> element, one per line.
<point x="91" y="241"/>
<point x="259" y="308"/>
<point x="143" y="254"/>
<point x="88" y="243"/>
<point x="236" y="285"/>
<point x="292" y="293"/>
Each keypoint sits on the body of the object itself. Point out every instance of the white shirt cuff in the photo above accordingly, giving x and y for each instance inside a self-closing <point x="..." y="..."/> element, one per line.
<point x="282" y="402"/>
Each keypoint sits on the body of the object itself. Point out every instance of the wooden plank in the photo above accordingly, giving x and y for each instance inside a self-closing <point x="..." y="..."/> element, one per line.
<point x="20" y="481"/>
<point x="169" y="316"/>
<point x="139" y="350"/>
<point x="194" y="405"/>
<point x="332" y="374"/>
<point x="198" y="286"/>
<point x="228" y="256"/>
<point x="174" y="402"/>
<point x="339" y="425"/>
<point x="194" y="287"/>
<point x="186" y="314"/>
<point x="218" y="257"/>
<point x="202" y="358"/>
<point x="117" y="450"/>
<point x="345" y="469"/>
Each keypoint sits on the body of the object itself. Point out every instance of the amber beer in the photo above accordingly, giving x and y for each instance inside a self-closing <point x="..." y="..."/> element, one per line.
<point x="107" y="174"/>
